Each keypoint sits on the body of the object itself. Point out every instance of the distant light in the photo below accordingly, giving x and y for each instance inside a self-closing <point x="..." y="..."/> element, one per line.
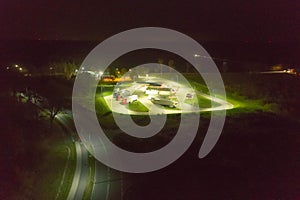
<point x="196" y="55"/>
<point x="7" y="67"/>
<point x="76" y="70"/>
<point x="20" y="69"/>
<point x="51" y="68"/>
<point x="16" y="66"/>
<point x="82" y="68"/>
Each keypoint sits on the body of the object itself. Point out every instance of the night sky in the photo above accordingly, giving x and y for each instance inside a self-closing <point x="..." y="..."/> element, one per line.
<point x="210" y="20"/>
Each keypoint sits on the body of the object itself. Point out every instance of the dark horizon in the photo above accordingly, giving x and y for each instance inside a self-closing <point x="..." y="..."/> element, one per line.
<point x="233" y="21"/>
<point x="267" y="32"/>
<point x="39" y="53"/>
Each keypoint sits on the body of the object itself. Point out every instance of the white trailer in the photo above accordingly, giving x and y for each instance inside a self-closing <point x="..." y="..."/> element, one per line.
<point x="132" y="98"/>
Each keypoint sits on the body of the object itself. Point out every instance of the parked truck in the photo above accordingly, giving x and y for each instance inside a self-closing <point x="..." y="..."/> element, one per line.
<point x="164" y="102"/>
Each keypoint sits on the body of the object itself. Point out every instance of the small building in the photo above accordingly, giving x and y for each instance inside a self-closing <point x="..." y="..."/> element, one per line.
<point x="156" y="90"/>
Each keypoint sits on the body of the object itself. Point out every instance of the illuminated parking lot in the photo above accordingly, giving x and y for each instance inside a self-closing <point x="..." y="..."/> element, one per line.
<point x="161" y="96"/>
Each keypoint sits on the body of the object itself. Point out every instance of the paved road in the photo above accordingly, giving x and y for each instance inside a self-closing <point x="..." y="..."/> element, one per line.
<point x="84" y="173"/>
<point x="76" y="178"/>
<point x="81" y="172"/>
<point x="79" y="181"/>
<point x="108" y="183"/>
<point x="100" y="189"/>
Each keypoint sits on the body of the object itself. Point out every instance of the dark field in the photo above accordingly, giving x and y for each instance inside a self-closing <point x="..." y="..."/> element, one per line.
<point x="256" y="157"/>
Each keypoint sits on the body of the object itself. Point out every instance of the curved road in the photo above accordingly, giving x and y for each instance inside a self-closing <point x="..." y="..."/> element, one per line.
<point x="79" y="181"/>
<point x="81" y="172"/>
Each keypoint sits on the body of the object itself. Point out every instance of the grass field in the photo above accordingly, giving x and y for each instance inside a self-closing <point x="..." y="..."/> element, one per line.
<point x="101" y="106"/>
<point x="202" y="101"/>
<point x="35" y="149"/>
<point x="241" y="103"/>
<point x="137" y="106"/>
<point x="57" y="179"/>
